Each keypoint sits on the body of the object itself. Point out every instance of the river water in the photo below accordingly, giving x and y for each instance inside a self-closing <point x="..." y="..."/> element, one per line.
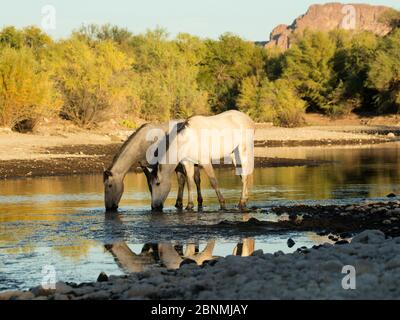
<point x="59" y="222"/>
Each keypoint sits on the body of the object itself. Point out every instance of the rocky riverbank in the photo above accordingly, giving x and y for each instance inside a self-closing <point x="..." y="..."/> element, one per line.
<point x="340" y="223"/>
<point x="311" y="274"/>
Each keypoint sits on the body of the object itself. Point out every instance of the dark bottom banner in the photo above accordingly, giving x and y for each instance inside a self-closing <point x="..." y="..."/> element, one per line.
<point x="197" y="309"/>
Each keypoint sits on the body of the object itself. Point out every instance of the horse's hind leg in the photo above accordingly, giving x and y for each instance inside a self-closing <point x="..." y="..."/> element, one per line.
<point x="209" y="170"/>
<point x="241" y="163"/>
<point x="189" y="169"/>
<point x="180" y="174"/>
<point x="245" y="192"/>
<point x="197" y="181"/>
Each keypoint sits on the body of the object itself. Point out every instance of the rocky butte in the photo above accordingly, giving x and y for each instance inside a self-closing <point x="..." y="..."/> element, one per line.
<point x="331" y="16"/>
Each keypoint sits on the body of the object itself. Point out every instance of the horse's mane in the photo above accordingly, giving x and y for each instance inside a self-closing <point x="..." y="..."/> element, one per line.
<point x="183" y="125"/>
<point x="180" y="127"/>
<point x="126" y="144"/>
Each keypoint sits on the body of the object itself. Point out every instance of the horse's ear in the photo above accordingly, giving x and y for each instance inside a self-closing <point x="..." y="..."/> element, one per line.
<point x="107" y="174"/>
<point x="157" y="172"/>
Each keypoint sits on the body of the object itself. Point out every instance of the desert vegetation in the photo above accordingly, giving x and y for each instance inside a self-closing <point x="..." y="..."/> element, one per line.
<point x="103" y="72"/>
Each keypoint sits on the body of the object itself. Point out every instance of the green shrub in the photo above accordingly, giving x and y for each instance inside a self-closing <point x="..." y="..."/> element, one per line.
<point x="166" y="76"/>
<point x="268" y="101"/>
<point x="384" y="73"/>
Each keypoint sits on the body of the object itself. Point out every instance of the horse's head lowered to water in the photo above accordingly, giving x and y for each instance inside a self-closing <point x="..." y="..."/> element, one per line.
<point x="159" y="180"/>
<point x="113" y="189"/>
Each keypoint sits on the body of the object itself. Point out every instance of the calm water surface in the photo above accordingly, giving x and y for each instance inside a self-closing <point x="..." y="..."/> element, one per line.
<point x="60" y="221"/>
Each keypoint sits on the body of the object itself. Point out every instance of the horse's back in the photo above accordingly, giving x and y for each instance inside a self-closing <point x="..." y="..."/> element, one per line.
<point x="231" y="119"/>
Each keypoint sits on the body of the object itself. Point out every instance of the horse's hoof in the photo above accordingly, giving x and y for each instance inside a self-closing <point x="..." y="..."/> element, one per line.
<point x="243" y="207"/>
<point x="200" y="208"/>
<point x="190" y="207"/>
<point x="179" y="206"/>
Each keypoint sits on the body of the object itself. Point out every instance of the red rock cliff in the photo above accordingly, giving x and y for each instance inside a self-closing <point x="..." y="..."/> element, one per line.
<point x="330" y="16"/>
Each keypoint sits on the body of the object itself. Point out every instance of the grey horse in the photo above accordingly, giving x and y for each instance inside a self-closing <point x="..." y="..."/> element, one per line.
<point x="133" y="153"/>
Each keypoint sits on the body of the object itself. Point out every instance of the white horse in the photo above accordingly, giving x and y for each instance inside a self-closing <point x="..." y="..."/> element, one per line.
<point x="205" y="141"/>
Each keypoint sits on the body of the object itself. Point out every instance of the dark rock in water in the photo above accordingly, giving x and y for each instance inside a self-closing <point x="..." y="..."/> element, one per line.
<point x="391" y="195"/>
<point x="291" y="243"/>
<point x="341" y="242"/>
<point x="102" y="277"/>
<point x="254" y="222"/>
<point x="187" y="261"/>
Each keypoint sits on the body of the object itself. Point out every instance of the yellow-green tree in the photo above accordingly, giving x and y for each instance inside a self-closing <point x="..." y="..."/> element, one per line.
<point x="26" y="92"/>
<point x="308" y="65"/>
<point x="166" y="75"/>
<point x="93" y="80"/>
<point x="31" y="37"/>
<point x="384" y="73"/>
<point x="271" y="101"/>
<point x="351" y="66"/>
<point x="226" y="63"/>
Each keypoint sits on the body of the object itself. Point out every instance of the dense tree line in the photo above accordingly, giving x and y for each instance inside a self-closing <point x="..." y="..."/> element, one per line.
<point x="106" y="71"/>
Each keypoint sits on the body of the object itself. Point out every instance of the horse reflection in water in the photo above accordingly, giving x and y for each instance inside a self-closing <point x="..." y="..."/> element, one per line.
<point x="169" y="255"/>
<point x="166" y="254"/>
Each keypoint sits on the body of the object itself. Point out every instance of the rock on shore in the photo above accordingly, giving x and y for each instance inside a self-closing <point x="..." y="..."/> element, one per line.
<point x="310" y="274"/>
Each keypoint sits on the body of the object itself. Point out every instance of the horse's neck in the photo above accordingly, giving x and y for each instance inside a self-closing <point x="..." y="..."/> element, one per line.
<point x="133" y="153"/>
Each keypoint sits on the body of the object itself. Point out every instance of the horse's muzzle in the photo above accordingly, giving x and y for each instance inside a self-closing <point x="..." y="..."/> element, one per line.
<point x="112" y="209"/>
<point x="158" y="208"/>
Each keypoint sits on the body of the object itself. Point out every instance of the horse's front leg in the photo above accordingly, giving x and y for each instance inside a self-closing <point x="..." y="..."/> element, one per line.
<point x="209" y="170"/>
<point x="189" y="169"/>
<point x="241" y="163"/>
<point x="180" y="174"/>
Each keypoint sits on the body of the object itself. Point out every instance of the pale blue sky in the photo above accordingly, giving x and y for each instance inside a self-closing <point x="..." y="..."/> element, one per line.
<point x="251" y="19"/>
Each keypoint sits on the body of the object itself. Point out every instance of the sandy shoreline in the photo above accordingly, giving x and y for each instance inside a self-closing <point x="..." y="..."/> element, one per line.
<point x="66" y="153"/>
